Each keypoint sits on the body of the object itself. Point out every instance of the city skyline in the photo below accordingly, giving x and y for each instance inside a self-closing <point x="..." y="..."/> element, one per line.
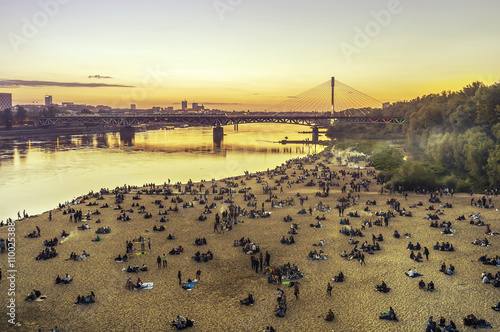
<point x="237" y="54"/>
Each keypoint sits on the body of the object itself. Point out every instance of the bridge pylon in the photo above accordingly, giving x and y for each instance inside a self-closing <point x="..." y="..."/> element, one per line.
<point x="218" y="135"/>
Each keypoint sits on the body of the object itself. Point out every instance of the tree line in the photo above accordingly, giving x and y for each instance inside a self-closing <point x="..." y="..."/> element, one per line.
<point x="456" y="133"/>
<point x="8" y="118"/>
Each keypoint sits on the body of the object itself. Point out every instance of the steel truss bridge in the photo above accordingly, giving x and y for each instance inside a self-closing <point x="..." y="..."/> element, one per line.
<point x="212" y="120"/>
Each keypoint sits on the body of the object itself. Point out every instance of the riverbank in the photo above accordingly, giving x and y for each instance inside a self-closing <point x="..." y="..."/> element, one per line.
<point x="214" y="301"/>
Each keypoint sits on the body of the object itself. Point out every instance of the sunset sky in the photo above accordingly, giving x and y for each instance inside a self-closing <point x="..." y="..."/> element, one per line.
<point x="242" y="54"/>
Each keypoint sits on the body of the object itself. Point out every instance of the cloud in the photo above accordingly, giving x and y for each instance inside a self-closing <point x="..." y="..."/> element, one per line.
<point x="99" y="76"/>
<point x="292" y="97"/>
<point x="19" y="83"/>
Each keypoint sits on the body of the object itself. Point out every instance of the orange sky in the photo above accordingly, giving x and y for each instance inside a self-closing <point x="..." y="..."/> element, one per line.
<point x="242" y="54"/>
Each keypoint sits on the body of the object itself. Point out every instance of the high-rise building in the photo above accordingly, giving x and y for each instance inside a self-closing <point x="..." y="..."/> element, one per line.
<point x="48" y="100"/>
<point x="5" y="101"/>
<point x="133" y="106"/>
<point x="195" y="106"/>
<point x="184" y="105"/>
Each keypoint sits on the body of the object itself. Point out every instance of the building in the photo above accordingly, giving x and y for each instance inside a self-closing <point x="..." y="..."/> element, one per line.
<point x="5" y="101"/>
<point x="195" y="106"/>
<point x="184" y="105"/>
<point x="133" y="106"/>
<point x="386" y="105"/>
<point x="48" y="100"/>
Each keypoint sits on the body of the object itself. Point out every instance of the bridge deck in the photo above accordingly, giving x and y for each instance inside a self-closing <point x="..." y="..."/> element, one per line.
<point x="210" y="120"/>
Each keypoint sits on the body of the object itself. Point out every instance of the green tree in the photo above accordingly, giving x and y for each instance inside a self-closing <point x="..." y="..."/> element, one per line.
<point x="476" y="152"/>
<point x="493" y="167"/>
<point x="21" y="114"/>
<point x="7" y="118"/>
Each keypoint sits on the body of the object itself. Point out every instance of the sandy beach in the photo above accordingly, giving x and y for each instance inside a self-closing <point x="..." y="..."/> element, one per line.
<point x="214" y="301"/>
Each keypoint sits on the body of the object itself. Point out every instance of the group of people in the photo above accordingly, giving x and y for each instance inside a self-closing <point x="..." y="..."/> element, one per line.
<point x="81" y="299"/>
<point x="429" y="287"/>
<point x="66" y="280"/>
<point x="433" y="326"/>
<point x="447" y="270"/>
<point x="444" y="246"/>
<point x="46" y="254"/>
<point x="203" y="257"/>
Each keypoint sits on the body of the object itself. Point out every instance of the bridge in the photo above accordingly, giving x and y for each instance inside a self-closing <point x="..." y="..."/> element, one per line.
<point x="212" y="120"/>
<point x="295" y="110"/>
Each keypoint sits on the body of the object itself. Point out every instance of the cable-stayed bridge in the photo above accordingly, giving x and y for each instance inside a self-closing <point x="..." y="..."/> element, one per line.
<point x="329" y="96"/>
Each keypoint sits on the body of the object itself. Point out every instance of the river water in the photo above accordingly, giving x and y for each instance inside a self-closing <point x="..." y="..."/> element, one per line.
<point x="38" y="175"/>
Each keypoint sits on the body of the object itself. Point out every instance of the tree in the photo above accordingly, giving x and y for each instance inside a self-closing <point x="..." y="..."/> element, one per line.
<point x="86" y="111"/>
<point x="493" y="167"/>
<point x="21" y="114"/>
<point x="7" y="118"/>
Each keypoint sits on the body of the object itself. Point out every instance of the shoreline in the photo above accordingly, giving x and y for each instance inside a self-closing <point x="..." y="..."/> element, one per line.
<point x="214" y="301"/>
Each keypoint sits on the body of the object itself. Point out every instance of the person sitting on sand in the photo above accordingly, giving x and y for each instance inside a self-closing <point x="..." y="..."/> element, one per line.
<point x="181" y="323"/>
<point x="497" y="307"/>
<point x="339" y="278"/>
<point x="248" y="301"/>
<point x="67" y="279"/>
<point x="144" y="267"/>
<point x="320" y="244"/>
<point x="329" y="316"/>
<point x="132" y="268"/>
<point x="421" y="284"/>
<point x="382" y="287"/>
<point x="390" y="315"/>
<point x="430" y="286"/>
<point x="410" y="273"/>
<point x="35" y="294"/>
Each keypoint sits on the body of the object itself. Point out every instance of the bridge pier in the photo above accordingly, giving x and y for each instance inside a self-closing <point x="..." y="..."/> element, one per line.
<point x="235" y="127"/>
<point x="218" y="134"/>
<point x="127" y="134"/>
<point x="315" y="134"/>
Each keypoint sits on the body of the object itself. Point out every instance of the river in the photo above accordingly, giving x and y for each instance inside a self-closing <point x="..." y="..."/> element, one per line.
<point x="38" y="175"/>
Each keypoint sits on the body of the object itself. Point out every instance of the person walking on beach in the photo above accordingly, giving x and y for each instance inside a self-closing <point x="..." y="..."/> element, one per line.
<point x="50" y="215"/>
<point x="158" y="260"/>
<point x="329" y="289"/>
<point x="180" y="277"/>
<point x="296" y="290"/>
<point x="142" y="245"/>
<point x="164" y="258"/>
<point x="426" y="253"/>
<point x="198" y="275"/>
<point x="268" y="258"/>
<point x="149" y="243"/>
<point x="0" y="274"/>
<point x="38" y="230"/>
<point x="362" y="259"/>
<point x="261" y="261"/>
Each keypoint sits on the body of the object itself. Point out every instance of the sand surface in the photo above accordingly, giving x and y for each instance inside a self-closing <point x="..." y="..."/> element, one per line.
<point x="214" y="302"/>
